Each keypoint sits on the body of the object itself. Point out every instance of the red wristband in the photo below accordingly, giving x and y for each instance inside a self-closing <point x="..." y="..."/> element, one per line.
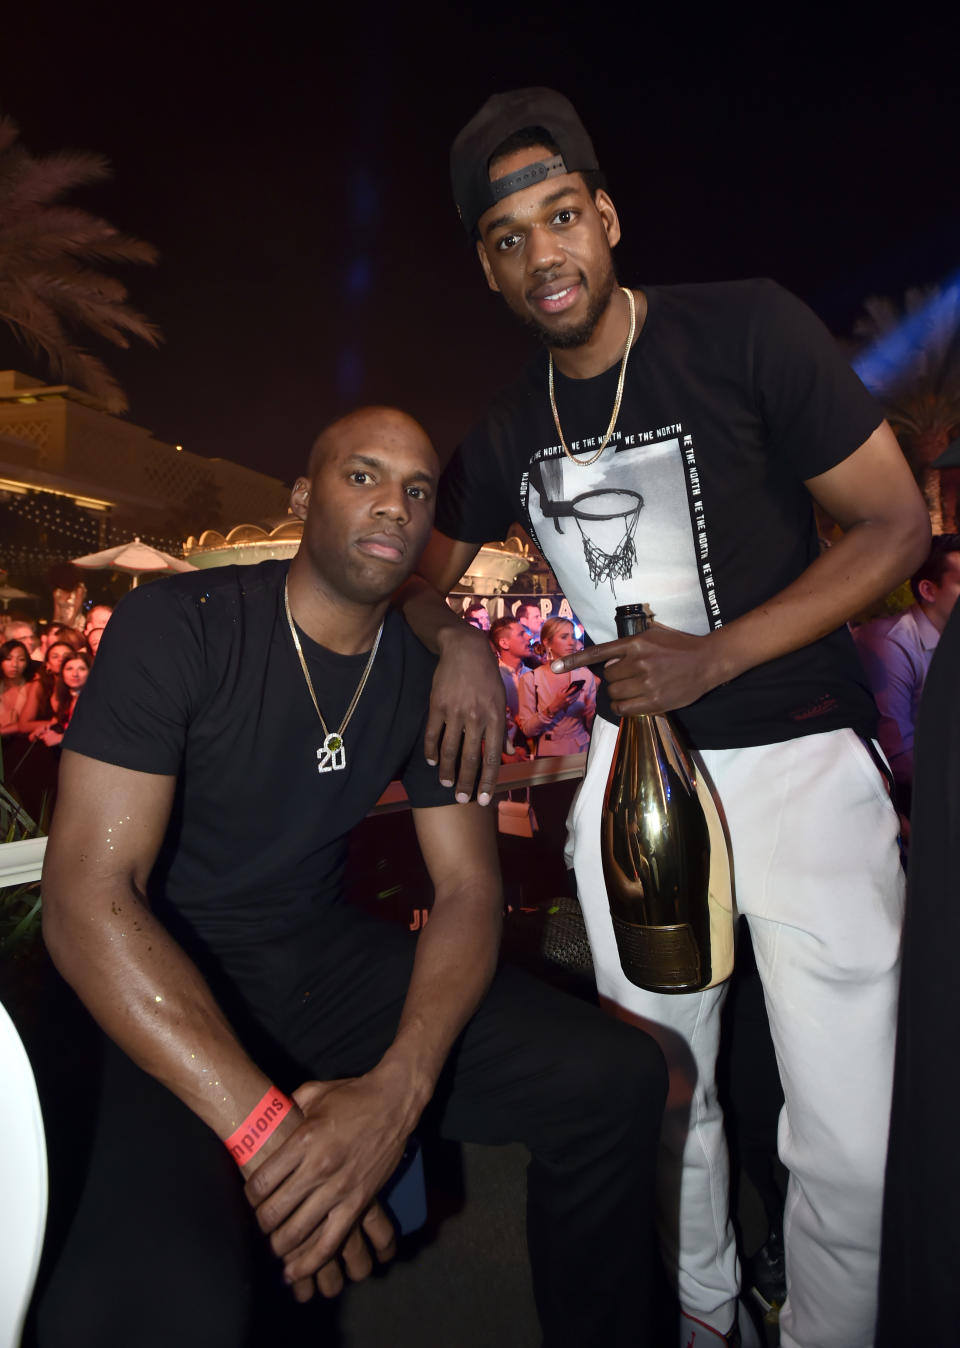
<point x="264" y="1119"/>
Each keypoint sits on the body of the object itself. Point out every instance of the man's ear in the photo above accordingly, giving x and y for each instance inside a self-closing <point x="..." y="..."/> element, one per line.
<point x="608" y="214"/>
<point x="300" y="497"/>
<point x="927" y="590"/>
<point x="485" y="264"/>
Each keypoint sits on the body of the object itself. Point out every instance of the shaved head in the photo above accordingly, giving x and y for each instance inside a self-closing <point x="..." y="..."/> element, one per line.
<point x="362" y="421"/>
<point x="367" y="504"/>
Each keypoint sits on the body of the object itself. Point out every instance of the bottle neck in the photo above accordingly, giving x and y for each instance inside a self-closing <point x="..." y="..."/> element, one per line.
<point x="631" y="620"/>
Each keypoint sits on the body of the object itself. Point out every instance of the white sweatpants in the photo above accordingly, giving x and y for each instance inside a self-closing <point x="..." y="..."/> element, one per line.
<point x="817" y="874"/>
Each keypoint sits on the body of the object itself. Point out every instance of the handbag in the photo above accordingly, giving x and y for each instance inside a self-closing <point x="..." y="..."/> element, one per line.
<point x="517" y="817"/>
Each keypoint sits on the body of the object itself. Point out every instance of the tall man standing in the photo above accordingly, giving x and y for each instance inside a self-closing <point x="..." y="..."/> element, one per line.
<point x="665" y="449"/>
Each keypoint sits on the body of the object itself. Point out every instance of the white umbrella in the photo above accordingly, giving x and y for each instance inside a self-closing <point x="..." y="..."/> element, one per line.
<point x="135" y="558"/>
<point x="8" y="592"/>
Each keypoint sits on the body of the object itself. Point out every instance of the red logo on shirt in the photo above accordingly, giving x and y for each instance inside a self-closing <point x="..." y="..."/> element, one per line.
<point x="823" y="705"/>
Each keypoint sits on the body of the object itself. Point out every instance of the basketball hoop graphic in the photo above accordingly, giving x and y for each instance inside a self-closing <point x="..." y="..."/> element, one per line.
<point x="612" y="514"/>
<point x="607" y="518"/>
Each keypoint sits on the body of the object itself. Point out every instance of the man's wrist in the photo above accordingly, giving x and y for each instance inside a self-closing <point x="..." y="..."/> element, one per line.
<point x="409" y="1084"/>
<point x="261" y="1123"/>
<point x="287" y="1127"/>
<point x="728" y="656"/>
<point x="454" y="629"/>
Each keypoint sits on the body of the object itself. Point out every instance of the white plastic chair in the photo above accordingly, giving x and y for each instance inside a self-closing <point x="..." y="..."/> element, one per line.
<point x="23" y="1183"/>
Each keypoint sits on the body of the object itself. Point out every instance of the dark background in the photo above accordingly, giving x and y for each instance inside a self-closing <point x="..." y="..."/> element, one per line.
<point x="290" y="165"/>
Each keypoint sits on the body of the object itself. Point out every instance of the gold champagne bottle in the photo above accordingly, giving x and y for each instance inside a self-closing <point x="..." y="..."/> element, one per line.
<point x="658" y="823"/>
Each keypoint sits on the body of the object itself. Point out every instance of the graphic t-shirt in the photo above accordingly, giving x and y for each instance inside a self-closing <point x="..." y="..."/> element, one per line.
<point x="735" y="395"/>
<point x="197" y="677"/>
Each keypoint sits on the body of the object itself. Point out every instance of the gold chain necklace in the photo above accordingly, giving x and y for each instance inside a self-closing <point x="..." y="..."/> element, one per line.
<point x="585" y="463"/>
<point x="332" y="755"/>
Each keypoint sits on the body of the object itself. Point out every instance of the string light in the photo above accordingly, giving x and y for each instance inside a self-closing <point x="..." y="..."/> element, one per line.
<point x="62" y="529"/>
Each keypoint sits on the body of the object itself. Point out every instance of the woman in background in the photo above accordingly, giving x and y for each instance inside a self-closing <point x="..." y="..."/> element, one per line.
<point x="38" y="710"/>
<point x="16" y="676"/>
<point x="558" y="709"/>
<point x="70" y="680"/>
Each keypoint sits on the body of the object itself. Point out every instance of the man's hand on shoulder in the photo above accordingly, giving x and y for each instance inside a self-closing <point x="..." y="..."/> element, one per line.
<point x="656" y="671"/>
<point x="467" y="701"/>
<point x="466" y="716"/>
<point x="314" y="1194"/>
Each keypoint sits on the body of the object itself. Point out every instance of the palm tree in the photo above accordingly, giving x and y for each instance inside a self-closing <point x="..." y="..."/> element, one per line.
<point x="911" y="362"/>
<point x="50" y="254"/>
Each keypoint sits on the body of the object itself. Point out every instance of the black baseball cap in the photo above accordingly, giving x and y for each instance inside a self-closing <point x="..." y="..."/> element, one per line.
<point x="501" y="116"/>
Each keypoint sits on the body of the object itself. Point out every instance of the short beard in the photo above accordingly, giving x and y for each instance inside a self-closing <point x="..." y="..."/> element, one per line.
<point x="579" y="335"/>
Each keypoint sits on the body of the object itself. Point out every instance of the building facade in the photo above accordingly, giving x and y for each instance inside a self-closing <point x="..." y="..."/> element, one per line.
<point x="74" y="479"/>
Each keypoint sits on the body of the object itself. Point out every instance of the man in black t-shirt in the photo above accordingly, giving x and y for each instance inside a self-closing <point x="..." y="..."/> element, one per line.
<point x="237" y="725"/>
<point x="666" y="449"/>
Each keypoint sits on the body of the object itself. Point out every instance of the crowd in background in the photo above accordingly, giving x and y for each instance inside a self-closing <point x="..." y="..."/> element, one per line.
<point x="896" y="652"/>
<point x="42" y="674"/>
<point x="548" y="714"/>
<point x="43" y="671"/>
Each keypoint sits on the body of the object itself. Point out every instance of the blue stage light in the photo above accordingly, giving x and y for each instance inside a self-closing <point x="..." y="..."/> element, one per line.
<point x="892" y="358"/>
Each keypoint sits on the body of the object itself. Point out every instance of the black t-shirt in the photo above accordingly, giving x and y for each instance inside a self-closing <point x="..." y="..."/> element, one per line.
<point x="735" y="394"/>
<point x="197" y="677"/>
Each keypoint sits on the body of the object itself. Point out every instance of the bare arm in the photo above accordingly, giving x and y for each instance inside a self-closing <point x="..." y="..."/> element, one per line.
<point x="362" y="1125"/>
<point x="443" y="562"/>
<point x="30" y="718"/>
<point x="134" y="978"/>
<point x="129" y="972"/>
<point x="457" y="952"/>
<point x="466" y="702"/>
<point x="873" y="497"/>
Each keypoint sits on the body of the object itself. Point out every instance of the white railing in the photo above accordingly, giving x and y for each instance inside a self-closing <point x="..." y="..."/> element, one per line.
<point x="532" y="772"/>
<point x="21" y="862"/>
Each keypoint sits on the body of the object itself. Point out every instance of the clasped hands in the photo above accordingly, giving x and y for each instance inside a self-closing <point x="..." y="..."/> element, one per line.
<point x="314" y="1194"/>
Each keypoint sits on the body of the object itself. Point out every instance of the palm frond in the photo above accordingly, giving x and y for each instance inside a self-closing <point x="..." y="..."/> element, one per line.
<point x="39" y="182"/>
<point x="38" y="236"/>
<point x="910" y="359"/>
<point x="84" y="298"/>
<point x="50" y="285"/>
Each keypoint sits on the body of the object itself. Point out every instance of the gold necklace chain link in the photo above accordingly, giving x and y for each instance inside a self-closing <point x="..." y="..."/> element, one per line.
<point x="585" y="463"/>
<point x="338" y="735"/>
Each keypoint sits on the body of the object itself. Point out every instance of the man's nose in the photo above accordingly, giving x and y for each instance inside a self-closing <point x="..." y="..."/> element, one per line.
<point x="392" y="501"/>
<point x="543" y="250"/>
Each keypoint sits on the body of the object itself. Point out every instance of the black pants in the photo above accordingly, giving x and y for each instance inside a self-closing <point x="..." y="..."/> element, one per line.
<point x="163" y="1208"/>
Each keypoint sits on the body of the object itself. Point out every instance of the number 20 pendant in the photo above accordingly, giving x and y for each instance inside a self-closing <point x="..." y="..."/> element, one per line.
<point x="333" y="755"/>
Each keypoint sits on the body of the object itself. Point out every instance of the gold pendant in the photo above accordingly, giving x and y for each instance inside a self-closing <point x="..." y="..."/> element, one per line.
<point x="332" y="757"/>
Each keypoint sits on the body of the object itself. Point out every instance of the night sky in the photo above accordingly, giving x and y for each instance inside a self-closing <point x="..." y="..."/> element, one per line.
<point x="292" y="172"/>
